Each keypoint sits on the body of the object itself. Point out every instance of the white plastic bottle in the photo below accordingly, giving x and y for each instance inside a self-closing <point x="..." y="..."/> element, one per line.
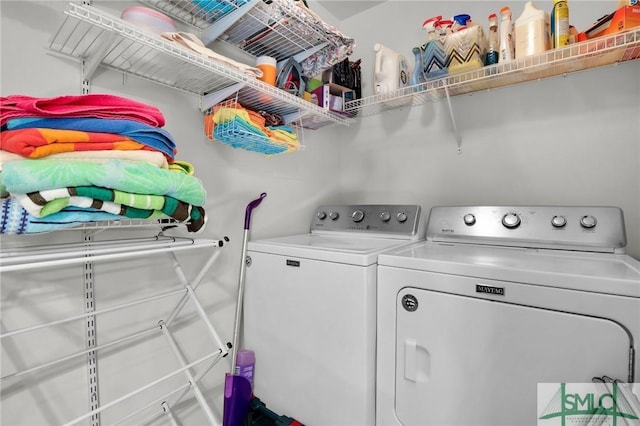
<point x="507" y="42"/>
<point x="532" y="31"/>
<point x="391" y="71"/>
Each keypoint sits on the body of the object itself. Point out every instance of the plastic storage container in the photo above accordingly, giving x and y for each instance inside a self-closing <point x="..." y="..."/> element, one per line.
<point x="149" y="20"/>
<point x="532" y="31"/>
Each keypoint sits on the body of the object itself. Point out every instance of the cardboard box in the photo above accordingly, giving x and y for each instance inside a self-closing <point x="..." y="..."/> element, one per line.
<point x="623" y="19"/>
<point x="333" y="97"/>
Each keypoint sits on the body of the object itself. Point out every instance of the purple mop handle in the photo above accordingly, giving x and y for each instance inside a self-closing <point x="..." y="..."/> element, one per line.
<point x="252" y="205"/>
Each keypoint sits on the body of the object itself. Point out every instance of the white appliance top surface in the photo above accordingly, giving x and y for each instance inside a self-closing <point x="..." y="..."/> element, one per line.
<point x="348" y="249"/>
<point x="597" y="272"/>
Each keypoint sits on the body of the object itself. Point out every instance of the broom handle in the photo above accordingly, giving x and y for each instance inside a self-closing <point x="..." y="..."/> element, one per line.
<point x="243" y="266"/>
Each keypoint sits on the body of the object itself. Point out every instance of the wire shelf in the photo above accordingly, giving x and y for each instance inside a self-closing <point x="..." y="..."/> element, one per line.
<point x="272" y="29"/>
<point x="98" y="38"/>
<point x="576" y="57"/>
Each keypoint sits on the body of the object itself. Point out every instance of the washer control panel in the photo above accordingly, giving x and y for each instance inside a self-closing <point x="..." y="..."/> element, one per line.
<point x="385" y="219"/>
<point x="562" y="227"/>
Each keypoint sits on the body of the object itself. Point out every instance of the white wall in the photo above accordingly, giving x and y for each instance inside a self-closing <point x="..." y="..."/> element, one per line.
<point x="567" y="140"/>
<point x="571" y="140"/>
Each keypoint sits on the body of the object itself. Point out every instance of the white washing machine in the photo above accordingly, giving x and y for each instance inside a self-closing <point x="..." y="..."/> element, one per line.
<point x="310" y="311"/>
<point x="497" y="300"/>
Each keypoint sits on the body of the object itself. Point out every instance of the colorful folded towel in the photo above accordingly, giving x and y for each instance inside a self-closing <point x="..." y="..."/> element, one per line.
<point x="91" y="105"/>
<point x="15" y="220"/>
<point x="134" y="206"/>
<point x="155" y="158"/>
<point x="38" y="143"/>
<point x="153" y="137"/>
<point x="25" y="176"/>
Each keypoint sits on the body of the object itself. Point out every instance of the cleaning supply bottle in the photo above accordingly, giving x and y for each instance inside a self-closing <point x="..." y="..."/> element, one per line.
<point x="430" y="58"/>
<point x="493" y="50"/>
<point x="390" y="70"/>
<point x="532" y="31"/>
<point x="245" y="364"/>
<point x="460" y="22"/>
<point x="560" y="31"/>
<point x="430" y="25"/>
<point x="507" y="46"/>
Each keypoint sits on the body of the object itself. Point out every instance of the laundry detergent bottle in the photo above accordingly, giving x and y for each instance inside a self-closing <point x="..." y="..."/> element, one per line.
<point x="532" y="31"/>
<point x="391" y="71"/>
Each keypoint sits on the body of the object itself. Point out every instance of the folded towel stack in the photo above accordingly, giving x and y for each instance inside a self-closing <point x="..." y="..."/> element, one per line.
<point x="73" y="159"/>
<point x="230" y="123"/>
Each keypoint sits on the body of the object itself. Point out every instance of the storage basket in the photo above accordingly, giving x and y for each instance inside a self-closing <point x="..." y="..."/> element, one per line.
<point x="232" y="124"/>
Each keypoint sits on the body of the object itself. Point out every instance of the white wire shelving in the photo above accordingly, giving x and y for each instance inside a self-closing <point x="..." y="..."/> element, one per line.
<point x="576" y="57"/>
<point x="100" y="39"/>
<point x="582" y="56"/>
<point x="253" y="26"/>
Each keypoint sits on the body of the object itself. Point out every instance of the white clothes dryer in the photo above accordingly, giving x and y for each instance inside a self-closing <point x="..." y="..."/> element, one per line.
<point x="497" y="300"/>
<point x="310" y="311"/>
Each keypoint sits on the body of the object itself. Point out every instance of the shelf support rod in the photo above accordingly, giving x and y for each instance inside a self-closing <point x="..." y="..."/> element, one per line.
<point x="91" y="64"/>
<point x="453" y="120"/>
<point x="167" y="410"/>
<point x="218" y="96"/>
<point x="223" y="24"/>
<point x="201" y="312"/>
<point x="192" y="381"/>
<point x="90" y="336"/>
<point x="306" y="53"/>
<point x="141" y="389"/>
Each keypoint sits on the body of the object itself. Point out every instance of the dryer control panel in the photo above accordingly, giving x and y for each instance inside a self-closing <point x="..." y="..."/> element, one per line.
<point x="599" y="229"/>
<point x="388" y="220"/>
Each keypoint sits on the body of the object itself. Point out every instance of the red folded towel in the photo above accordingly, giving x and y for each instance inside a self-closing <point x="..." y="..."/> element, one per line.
<point x="91" y="105"/>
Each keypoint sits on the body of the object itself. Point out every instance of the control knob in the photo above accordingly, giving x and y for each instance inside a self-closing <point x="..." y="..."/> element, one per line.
<point x="558" y="221"/>
<point x="357" y="216"/>
<point x="334" y="215"/>
<point x="469" y="219"/>
<point x="588" y="221"/>
<point x="321" y="215"/>
<point x="385" y="216"/>
<point x="511" y="220"/>
<point x="402" y="217"/>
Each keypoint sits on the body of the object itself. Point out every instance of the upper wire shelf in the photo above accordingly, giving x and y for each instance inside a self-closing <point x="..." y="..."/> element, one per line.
<point x="576" y="57"/>
<point x="98" y="38"/>
<point x="259" y="28"/>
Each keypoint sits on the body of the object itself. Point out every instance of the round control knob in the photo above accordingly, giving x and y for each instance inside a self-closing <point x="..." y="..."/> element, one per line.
<point x="385" y="216"/>
<point x="511" y="220"/>
<point x="402" y="217"/>
<point x="334" y="215"/>
<point x="588" y="221"/>
<point x="321" y="215"/>
<point x="469" y="219"/>
<point x="558" y="221"/>
<point x="357" y="216"/>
